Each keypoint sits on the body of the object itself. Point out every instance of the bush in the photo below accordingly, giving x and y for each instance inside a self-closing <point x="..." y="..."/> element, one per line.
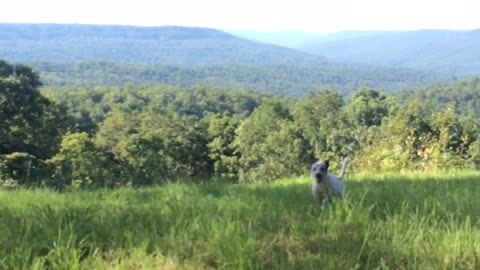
<point x="23" y="168"/>
<point x="80" y="164"/>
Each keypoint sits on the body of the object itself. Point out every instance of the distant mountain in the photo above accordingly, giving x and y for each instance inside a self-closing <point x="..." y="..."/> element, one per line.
<point x="447" y="51"/>
<point x="92" y="55"/>
<point x="290" y="39"/>
<point x="274" y="79"/>
<point x="169" y="45"/>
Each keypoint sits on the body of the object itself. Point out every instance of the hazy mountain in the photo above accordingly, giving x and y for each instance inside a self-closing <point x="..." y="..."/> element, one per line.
<point x="298" y="39"/>
<point x="291" y="38"/>
<point x="448" y="51"/>
<point x="170" y="45"/>
<point x="91" y="55"/>
<point x="280" y="79"/>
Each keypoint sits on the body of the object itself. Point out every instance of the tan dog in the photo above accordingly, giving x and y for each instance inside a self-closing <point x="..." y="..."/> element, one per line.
<point x="325" y="185"/>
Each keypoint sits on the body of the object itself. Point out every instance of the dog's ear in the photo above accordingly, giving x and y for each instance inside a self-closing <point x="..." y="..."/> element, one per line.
<point x="327" y="163"/>
<point x="312" y="159"/>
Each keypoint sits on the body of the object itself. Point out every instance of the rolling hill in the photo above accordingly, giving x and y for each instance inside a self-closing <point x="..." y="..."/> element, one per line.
<point x="446" y="51"/>
<point x="92" y="55"/>
<point x="169" y="45"/>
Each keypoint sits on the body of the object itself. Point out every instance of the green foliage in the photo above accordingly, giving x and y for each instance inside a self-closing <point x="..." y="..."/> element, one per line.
<point x="281" y="138"/>
<point x="474" y="152"/>
<point x="221" y="151"/>
<point x="88" y="107"/>
<point x="155" y="146"/>
<point x="413" y="138"/>
<point x="318" y="117"/>
<point x="28" y="121"/>
<point x="140" y="135"/>
<point x="287" y="80"/>
<point x="366" y="108"/>
<point x="463" y="96"/>
<point x="79" y="163"/>
<point x="270" y="145"/>
<point x="23" y="169"/>
<point x="30" y="126"/>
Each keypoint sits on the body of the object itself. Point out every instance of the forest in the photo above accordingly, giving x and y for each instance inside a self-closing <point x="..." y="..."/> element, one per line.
<point x="145" y="135"/>
<point x="285" y="80"/>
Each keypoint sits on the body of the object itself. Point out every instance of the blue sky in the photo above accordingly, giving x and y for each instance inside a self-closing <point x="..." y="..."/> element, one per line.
<point x="310" y="16"/>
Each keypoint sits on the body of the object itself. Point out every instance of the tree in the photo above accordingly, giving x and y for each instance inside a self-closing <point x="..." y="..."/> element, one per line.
<point x="318" y="115"/>
<point x="366" y="108"/>
<point x="154" y="146"/>
<point x="221" y="152"/>
<point x="29" y="122"/>
<point x="23" y="169"/>
<point x="396" y="143"/>
<point x="80" y="163"/>
<point x="270" y="145"/>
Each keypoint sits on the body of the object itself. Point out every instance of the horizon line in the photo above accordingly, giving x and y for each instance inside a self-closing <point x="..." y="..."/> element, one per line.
<point x="242" y="28"/>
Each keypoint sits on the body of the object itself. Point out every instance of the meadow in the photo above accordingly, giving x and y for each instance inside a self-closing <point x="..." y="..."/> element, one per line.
<point x="387" y="221"/>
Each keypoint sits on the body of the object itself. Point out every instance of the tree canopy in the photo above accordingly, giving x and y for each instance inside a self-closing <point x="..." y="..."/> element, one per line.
<point x="139" y="135"/>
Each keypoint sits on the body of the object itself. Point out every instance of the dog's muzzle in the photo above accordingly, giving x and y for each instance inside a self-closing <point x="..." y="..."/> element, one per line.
<point x="318" y="177"/>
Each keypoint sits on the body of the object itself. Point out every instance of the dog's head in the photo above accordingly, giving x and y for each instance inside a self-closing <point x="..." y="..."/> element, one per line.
<point x="319" y="170"/>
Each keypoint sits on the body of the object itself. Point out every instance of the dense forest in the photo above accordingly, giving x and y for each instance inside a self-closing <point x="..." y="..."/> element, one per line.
<point x="462" y="96"/>
<point x="284" y="80"/>
<point x="143" y="135"/>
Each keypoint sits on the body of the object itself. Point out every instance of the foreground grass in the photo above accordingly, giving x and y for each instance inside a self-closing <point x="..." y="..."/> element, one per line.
<point x="386" y="222"/>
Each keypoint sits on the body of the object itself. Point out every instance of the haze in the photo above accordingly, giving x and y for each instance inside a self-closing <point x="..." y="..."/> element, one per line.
<point x="304" y="15"/>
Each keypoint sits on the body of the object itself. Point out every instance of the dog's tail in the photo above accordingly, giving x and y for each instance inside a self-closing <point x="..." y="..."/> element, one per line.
<point x="344" y="168"/>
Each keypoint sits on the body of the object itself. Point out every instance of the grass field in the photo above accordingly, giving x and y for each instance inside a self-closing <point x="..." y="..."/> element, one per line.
<point x="386" y="222"/>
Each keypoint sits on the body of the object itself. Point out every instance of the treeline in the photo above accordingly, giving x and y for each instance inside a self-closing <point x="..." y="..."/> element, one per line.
<point x="286" y="80"/>
<point x="462" y="96"/>
<point x="105" y="137"/>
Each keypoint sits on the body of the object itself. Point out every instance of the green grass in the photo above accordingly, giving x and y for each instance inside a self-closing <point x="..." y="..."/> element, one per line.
<point x="429" y="221"/>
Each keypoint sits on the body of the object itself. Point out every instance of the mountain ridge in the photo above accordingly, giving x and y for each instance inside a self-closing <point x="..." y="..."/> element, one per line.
<point x="446" y="51"/>
<point x="185" y="56"/>
<point x="172" y="45"/>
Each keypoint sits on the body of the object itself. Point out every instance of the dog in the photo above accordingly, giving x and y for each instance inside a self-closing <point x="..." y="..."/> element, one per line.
<point x="324" y="185"/>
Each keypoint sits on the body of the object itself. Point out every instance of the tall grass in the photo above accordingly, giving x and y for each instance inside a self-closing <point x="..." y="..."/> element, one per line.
<point x="392" y="221"/>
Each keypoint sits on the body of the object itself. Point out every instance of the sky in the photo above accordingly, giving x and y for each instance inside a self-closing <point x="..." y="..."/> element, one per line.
<point x="280" y="15"/>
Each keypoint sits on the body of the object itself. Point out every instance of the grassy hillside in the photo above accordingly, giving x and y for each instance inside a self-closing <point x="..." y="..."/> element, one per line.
<point x="278" y="79"/>
<point x="454" y="52"/>
<point x="386" y="222"/>
<point x="169" y="45"/>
